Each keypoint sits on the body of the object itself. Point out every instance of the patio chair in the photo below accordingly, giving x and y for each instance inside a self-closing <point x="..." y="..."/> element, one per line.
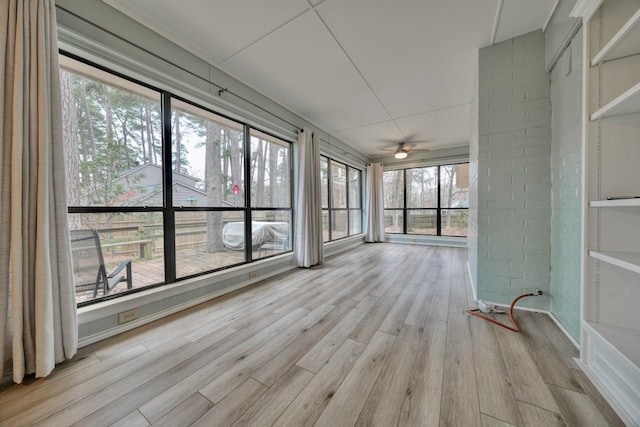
<point x="277" y="244"/>
<point x="88" y="264"/>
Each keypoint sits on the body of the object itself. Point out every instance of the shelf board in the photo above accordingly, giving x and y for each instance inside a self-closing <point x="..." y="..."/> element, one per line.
<point x="627" y="260"/>
<point x="624" y="43"/>
<point x="625" y="340"/>
<point x="614" y="203"/>
<point x="628" y="102"/>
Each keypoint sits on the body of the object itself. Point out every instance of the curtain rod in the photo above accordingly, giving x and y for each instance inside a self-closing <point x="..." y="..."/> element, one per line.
<point x="221" y="90"/>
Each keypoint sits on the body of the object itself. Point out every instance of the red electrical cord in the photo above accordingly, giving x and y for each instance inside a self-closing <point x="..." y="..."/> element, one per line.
<point x="516" y="326"/>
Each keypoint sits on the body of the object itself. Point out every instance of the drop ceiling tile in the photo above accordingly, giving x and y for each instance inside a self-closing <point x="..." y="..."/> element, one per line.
<point x="371" y="139"/>
<point x="302" y="67"/>
<point x="211" y="29"/>
<point x="448" y="127"/>
<point x="417" y="55"/>
<point x="522" y="16"/>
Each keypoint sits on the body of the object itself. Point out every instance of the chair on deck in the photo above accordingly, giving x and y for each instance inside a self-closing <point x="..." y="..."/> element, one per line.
<point x="277" y="244"/>
<point x="88" y="264"/>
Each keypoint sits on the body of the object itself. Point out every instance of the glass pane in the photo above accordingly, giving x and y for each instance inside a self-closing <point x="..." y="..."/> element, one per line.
<point x="324" y="182"/>
<point x="454" y="222"/>
<point x="207" y="157"/>
<point x="454" y="186"/>
<point x="271" y="232"/>
<point x="422" y="187"/>
<point x="422" y="221"/>
<point x="270" y="172"/>
<point x="135" y="239"/>
<point x="338" y="224"/>
<point x="325" y="225"/>
<point x="393" y="221"/>
<point x="355" y="222"/>
<point x="207" y="241"/>
<point x="338" y="185"/>
<point x="112" y="136"/>
<point x="355" y="188"/>
<point x="393" y="189"/>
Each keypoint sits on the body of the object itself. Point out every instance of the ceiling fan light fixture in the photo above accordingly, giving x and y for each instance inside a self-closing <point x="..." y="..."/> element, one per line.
<point x="400" y="155"/>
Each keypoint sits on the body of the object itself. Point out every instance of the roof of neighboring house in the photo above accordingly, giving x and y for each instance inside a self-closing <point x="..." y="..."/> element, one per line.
<point x="138" y="168"/>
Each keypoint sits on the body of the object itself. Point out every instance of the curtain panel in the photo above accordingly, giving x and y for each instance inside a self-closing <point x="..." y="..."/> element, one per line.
<point x="308" y="246"/>
<point x="374" y="231"/>
<point x="38" y="322"/>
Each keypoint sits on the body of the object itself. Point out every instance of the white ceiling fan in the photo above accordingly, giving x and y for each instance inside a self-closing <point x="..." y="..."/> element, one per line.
<point x="402" y="149"/>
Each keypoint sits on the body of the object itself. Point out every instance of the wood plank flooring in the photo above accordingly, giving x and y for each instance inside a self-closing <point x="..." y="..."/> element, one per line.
<point x="375" y="336"/>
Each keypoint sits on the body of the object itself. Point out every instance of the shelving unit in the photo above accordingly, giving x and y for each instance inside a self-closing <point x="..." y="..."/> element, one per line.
<point x="624" y="43"/>
<point x="627" y="103"/>
<point x="620" y="203"/>
<point x="610" y="326"/>
<point x="620" y="338"/>
<point x="627" y="260"/>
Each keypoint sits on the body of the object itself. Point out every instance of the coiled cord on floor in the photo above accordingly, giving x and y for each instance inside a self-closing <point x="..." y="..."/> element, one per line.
<point x="515" y="327"/>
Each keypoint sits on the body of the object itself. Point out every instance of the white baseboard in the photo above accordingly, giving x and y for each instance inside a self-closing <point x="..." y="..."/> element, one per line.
<point x="565" y="330"/>
<point x="547" y="312"/>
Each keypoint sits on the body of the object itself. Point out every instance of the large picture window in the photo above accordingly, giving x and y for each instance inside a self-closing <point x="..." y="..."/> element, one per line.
<point x="341" y="196"/>
<point x="429" y="200"/>
<point x="160" y="189"/>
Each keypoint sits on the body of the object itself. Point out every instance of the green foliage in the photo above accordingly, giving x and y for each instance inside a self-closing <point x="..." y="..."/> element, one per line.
<point x="117" y="130"/>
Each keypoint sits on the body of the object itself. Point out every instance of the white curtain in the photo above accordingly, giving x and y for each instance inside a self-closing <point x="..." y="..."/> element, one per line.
<point x="38" y="323"/>
<point x="375" y="204"/>
<point x="307" y="248"/>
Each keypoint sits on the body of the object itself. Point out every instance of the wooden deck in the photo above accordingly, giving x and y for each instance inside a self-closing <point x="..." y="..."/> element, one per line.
<point x="147" y="272"/>
<point x="375" y="336"/>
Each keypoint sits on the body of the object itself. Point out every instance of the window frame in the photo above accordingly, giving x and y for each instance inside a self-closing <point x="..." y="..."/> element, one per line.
<point x="439" y="208"/>
<point x="330" y="209"/>
<point x="168" y="210"/>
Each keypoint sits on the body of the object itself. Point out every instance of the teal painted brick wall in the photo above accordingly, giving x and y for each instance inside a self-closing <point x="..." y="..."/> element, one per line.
<point x="566" y="184"/>
<point x="513" y="171"/>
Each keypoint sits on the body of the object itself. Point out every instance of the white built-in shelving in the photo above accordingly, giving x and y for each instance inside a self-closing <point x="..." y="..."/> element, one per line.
<point x="627" y="103"/>
<point x="623" y="339"/>
<point x="610" y="336"/>
<point x="624" y="43"/>
<point x="619" y="203"/>
<point x="627" y="260"/>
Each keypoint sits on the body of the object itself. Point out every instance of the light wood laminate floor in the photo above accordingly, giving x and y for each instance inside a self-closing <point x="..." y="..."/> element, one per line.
<point x="375" y="336"/>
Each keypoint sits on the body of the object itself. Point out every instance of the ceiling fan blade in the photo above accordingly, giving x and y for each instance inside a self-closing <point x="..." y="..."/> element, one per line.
<point x="407" y="147"/>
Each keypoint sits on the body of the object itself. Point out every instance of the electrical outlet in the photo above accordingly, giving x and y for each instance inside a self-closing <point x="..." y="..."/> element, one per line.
<point x="128" y="316"/>
<point x="253" y="275"/>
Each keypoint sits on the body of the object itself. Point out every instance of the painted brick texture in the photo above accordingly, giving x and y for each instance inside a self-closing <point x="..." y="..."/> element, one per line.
<point x="566" y="184"/>
<point x="513" y="171"/>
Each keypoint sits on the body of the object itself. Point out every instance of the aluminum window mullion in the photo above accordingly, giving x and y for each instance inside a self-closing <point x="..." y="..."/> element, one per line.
<point x="330" y="197"/>
<point x="169" y="229"/>
<point x="248" y="213"/>
<point x="347" y="190"/>
<point x="404" y="198"/>
<point x="439" y="209"/>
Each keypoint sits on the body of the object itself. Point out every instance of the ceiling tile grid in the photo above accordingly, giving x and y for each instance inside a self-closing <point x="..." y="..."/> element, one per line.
<point x="369" y="72"/>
